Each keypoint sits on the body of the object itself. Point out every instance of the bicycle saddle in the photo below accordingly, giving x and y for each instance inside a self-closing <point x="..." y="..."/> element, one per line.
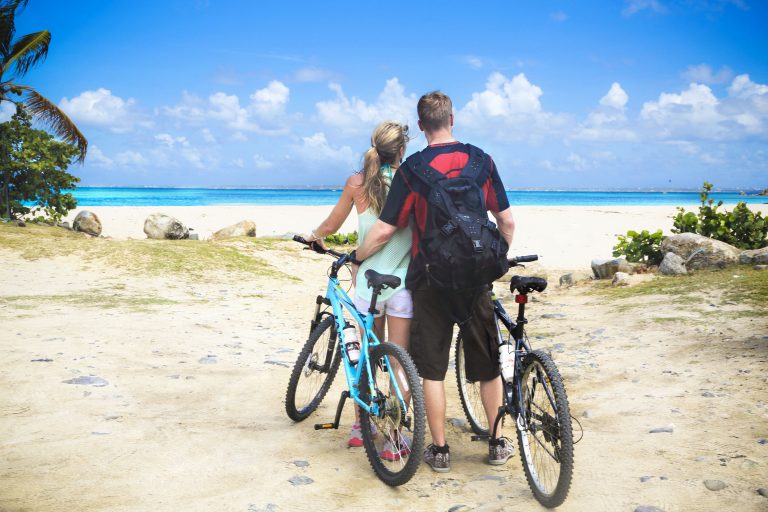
<point x="376" y="280"/>
<point x="525" y="285"/>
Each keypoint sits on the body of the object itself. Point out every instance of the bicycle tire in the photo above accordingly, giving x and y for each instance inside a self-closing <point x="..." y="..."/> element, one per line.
<point x="551" y="432"/>
<point x="391" y="463"/>
<point x="469" y="393"/>
<point x="322" y="338"/>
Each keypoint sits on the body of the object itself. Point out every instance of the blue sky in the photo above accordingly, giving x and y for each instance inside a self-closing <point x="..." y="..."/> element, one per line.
<point x="635" y="93"/>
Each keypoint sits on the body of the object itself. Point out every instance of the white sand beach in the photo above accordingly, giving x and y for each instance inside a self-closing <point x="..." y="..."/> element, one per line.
<point x="130" y="385"/>
<point x="567" y="237"/>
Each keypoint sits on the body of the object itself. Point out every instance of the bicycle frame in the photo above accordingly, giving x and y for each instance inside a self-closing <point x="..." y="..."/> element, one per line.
<point x="339" y="301"/>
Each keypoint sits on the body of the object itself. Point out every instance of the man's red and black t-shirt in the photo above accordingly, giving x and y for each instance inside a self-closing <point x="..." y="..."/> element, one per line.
<point x="408" y="195"/>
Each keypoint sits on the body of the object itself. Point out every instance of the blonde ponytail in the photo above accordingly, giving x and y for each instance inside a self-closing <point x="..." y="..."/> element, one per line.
<point x="387" y="145"/>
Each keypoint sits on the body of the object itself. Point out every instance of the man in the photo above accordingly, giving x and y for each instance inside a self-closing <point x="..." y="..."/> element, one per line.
<point x="437" y="310"/>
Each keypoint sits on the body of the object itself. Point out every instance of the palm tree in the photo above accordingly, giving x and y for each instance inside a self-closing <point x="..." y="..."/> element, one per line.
<point x="17" y="56"/>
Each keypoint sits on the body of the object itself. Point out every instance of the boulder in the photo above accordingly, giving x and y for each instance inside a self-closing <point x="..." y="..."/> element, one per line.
<point x="572" y="278"/>
<point x="160" y="227"/>
<point x="620" y="279"/>
<point x="64" y="225"/>
<point x="87" y="222"/>
<point x="242" y="228"/>
<point x="672" y="265"/>
<point x="605" y="269"/>
<point x="700" y="252"/>
<point x="754" y="257"/>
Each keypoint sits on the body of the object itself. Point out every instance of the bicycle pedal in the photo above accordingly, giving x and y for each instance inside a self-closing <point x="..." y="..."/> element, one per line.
<point x="323" y="426"/>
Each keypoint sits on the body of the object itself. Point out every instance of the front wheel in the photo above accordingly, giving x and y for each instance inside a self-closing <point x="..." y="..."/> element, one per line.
<point x="313" y="372"/>
<point x="394" y="448"/>
<point x="544" y="430"/>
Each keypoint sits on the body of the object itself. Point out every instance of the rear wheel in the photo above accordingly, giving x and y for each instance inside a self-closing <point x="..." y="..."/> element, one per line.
<point x="545" y="439"/>
<point x="394" y="448"/>
<point x="469" y="393"/>
<point x="313" y="372"/>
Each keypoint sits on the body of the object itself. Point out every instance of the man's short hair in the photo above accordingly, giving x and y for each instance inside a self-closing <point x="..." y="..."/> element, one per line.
<point x="435" y="109"/>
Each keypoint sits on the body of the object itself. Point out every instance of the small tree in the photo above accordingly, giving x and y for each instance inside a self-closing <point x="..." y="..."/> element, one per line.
<point x="36" y="169"/>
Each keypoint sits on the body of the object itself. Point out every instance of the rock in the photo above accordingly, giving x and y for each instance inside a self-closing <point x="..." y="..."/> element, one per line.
<point x="620" y="279"/>
<point x="760" y="267"/>
<point x="659" y="430"/>
<point x="763" y="492"/>
<point x="754" y="257"/>
<point x="87" y="380"/>
<point x="87" y="222"/>
<point x="161" y="227"/>
<point x="573" y="278"/>
<point x="586" y="414"/>
<point x="672" y="265"/>
<point x="300" y="463"/>
<point x="209" y="359"/>
<point x="242" y="228"/>
<point x="21" y="223"/>
<point x="605" y="269"/>
<point x="553" y="315"/>
<point x="300" y="480"/>
<point x="457" y="422"/>
<point x="708" y="394"/>
<point x="700" y="252"/>
<point x="715" y="485"/>
<point x="644" y="479"/>
<point x="566" y="280"/>
<point x="64" y="225"/>
<point x="648" y="508"/>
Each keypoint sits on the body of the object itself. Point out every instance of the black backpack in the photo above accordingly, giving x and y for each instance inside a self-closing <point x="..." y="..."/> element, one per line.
<point x="460" y="247"/>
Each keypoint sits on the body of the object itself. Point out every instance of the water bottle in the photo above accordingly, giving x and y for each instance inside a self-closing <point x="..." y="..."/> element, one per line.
<point x="351" y="344"/>
<point x="507" y="361"/>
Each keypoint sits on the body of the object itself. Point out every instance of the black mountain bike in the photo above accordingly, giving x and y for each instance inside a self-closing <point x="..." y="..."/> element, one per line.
<point x="534" y="397"/>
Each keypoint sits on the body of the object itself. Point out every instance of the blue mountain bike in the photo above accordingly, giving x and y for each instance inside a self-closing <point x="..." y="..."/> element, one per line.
<point x="534" y="398"/>
<point x="381" y="377"/>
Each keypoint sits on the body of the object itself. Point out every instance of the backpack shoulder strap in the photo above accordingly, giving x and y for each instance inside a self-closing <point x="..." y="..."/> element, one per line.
<point x="421" y="169"/>
<point x="476" y="163"/>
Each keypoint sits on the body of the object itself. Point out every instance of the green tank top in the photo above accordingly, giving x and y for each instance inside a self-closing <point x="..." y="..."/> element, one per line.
<point x="392" y="259"/>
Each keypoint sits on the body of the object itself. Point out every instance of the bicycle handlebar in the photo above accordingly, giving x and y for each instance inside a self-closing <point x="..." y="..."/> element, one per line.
<point x="513" y="262"/>
<point x="342" y="256"/>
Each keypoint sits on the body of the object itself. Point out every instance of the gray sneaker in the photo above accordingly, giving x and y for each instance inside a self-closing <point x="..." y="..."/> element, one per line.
<point x="437" y="460"/>
<point x="500" y="451"/>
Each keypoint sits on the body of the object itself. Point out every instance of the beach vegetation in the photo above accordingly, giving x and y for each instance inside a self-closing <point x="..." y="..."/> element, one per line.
<point x="642" y="247"/>
<point x="194" y="260"/>
<point x="341" y="239"/>
<point x="740" y="227"/>
<point x="17" y="56"/>
<point x="35" y="170"/>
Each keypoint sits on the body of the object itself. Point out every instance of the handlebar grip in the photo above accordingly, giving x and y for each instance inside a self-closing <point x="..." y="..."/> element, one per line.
<point x="300" y="239"/>
<point x="523" y="259"/>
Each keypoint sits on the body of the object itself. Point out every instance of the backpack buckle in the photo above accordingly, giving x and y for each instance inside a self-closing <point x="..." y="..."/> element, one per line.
<point x="478" y="245"/>
<point x="448" y="229"/>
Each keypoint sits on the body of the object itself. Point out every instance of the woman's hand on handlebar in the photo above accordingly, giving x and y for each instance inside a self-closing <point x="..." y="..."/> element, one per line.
<point x="314" y="241"/>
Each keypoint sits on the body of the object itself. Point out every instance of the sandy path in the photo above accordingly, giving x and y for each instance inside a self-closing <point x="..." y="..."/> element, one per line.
<point x="192" y="415"/>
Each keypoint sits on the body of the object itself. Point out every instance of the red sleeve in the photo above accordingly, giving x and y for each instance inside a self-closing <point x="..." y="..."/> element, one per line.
<point x="495" y="196"/>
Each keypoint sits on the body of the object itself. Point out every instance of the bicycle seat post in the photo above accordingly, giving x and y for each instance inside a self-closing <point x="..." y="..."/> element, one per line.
<point x="375" y="295"/>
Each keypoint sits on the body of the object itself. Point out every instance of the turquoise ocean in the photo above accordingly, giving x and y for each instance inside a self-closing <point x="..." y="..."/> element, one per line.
<point x="111" y="196"/>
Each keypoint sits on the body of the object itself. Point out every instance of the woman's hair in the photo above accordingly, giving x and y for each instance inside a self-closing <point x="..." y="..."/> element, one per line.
<point x="387" y="141"/>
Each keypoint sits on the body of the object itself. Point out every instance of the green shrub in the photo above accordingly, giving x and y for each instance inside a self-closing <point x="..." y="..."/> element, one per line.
<point x="741" y="227"/>
<point x="642" y="247"/>
<point x="341" y="239"/>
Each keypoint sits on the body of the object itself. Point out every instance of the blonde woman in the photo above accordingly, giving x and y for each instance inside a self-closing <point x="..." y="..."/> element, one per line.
<point x="367" y="191"/>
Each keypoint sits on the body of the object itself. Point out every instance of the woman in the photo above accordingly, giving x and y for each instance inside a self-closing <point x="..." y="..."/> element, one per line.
<point x="367" y="192"/>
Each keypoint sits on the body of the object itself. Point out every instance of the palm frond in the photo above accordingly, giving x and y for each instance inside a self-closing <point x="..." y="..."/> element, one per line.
<point x="8" y="23"/>
<point x="59" y="123"/>
<point x="27" y="51"/>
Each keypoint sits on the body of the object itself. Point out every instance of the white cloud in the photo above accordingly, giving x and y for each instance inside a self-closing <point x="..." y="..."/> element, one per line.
<point x="509" y="109"/>
<point x="101" y="108"/>
<point x="171" y="141"/>
<point x="97" y="158"/>
<point x="130" y="159"/>
<point x="473" y="61"/>
<point x="264" y="114"/>
<point x="208" y="136"/>
<point x="316" y="151"/>
<point x="635" y="6"/>
<point x="577" y="162"/>
<point x="7" y="109"/>
<point x="354" y="116"/>
<point x="312" y="74"/>
<point x="703" y="73"/>
<point x="558" y="16"/>
<point x="259" y="162"/>
<point x="697" y="113"/>
<point x="239" y="137"/>
<point x="609" y="120"/>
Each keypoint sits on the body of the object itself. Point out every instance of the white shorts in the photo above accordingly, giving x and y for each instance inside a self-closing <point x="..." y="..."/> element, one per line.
<point x="400" y="305"/>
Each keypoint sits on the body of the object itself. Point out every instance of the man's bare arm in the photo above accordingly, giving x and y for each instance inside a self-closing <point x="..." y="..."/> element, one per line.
<point x="377" y="237"/>
<point x="506" y="224"/>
